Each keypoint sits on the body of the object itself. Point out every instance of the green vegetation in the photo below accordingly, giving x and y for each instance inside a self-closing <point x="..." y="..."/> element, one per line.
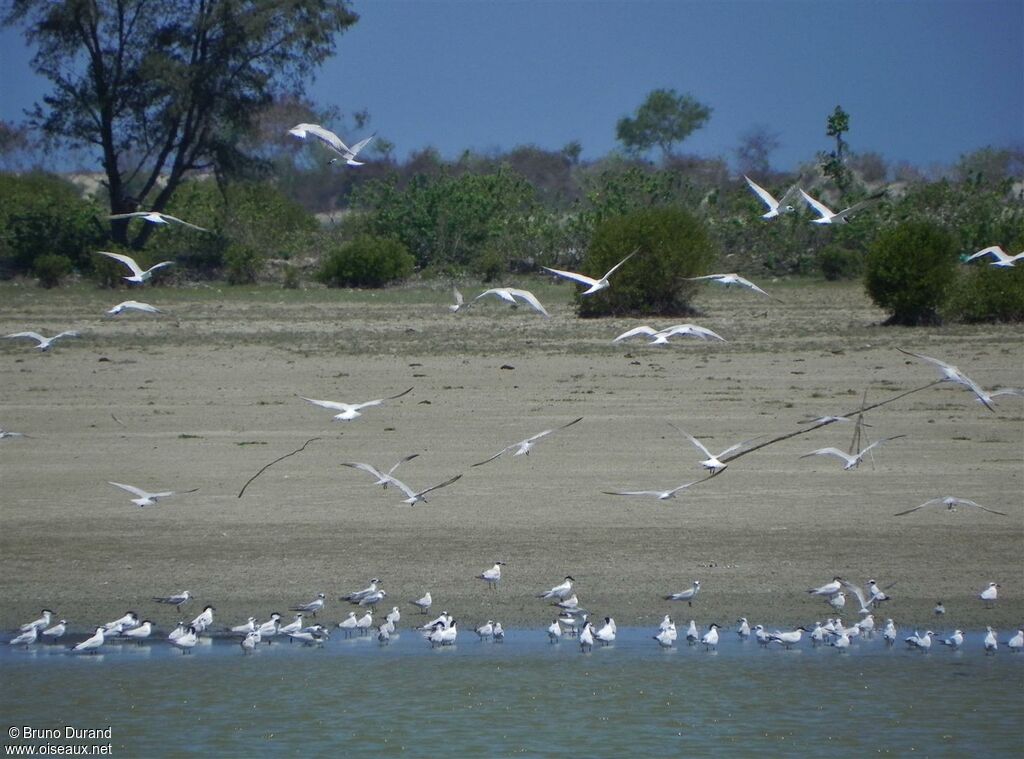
<point x="366" y="261"/>
<point x="664" y="119"/>
<point x="50" y="269"/>
<point x="909" y="271"/>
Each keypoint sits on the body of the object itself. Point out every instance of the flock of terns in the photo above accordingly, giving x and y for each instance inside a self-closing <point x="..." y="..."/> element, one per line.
<point x="572" y="619"/>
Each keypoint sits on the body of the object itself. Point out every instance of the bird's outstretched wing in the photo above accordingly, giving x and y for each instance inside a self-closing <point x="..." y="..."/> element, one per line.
<point x="366" y="468"/>
<point x="131" y="489"/>
<point x="126" y="260"/>
<point x="335" y="405"/>
<point x="529" y="298"/>
<point x="643" y="330"/>
<point x="766" y="197"/>
<point x="31" y="335"/>
<point x="539" y="435"/>
<point x="329" y="138"/>
<point x="583" y="279"/>
<point x="182" y="221"/>
<point x="823" y="211"/>
<point x="620" y="263"/>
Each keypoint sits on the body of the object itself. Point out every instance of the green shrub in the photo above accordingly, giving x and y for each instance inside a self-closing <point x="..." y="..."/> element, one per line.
<point x="50" y="269"/>
<point x="242" y="264"/>
<point x="988" y="294"/>
<point x="671" y="244"/>
<point x="366" y="261"/>
<point x="837" y="262"/>
<point x="43" y="215"/>
<point x="909" y="271"/>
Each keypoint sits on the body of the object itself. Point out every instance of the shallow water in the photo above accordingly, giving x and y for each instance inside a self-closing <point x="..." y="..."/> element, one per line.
<point x="523" y="696"/>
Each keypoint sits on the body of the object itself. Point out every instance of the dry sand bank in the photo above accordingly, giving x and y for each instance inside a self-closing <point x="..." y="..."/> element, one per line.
<point x="207" y="403"/>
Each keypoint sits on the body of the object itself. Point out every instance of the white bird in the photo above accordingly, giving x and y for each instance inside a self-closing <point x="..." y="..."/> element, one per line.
<point x="730" y="279"/>
<point x="153" y="217"/>
<point x="587" y="637"/>
<point x="666" y="637"/>
<point x="828" y="216"/>
<point x="606" y="634"/>
<point x="4" y="434"/>
<point x="951" y="373"/>
<point x="713" y="463"/>
<point x="775" y="207"/>
<point x="187" y="641"/>
<point x="838" y="601"/>
<point x="950" y="502"/>
<point x="990" y="594"/>
<point x="349" y="624"/>
<point x="1015" y="644"/>
<point x="763" y="636"/>
<point x="332" y="141"/>
<point x="1000" y="257"/>
<point x="383" y="478"/>
<point x="357" y="595"/>
<point x="292" y="627"/>
<point x="270" y="628"/>
<point x="138" y="276"/>
<point x="661" y="495"/>
<point x="573" y="620"/>
<point x="661" y="336"/>
<point x="393" y="617"/>
<point x="842" y="641"/>
<point x="686" y="595"/>
<point x="91" y="644"/>
<point x="554" y="632"/>
<point x="954" y="641"/>
<point x="26" y="638"/>
<point x="513" y="295"/>
<point x="889" y="632"/>
<point x="561" y="591"/>
<point x="350" y="411"/>
<point x="44" y="343"/>
<point x="851" y="461"/>
<point x="499" y="633"/>
<point x="570" y="604"/>
<point x="828" y="589"/>
<point x="991" y="644"/>
<point x="57" y="631"/>
<point x="866" y="601"/>
<point x="593" y="285"/>
<point x="245" y="629"/>
<point x="821" y="421"/>
<point x="523" y="447"/>
<point x="314" y="635"/>
<point x="743" y="631"/>
<point x="177" y="632"/>
<point x="920" y="642"/>
<point x="442" y="620"/>
<point x="459" y="303"/>
<point x="710" y="638"/>
<point x="692" y="636"/>
<point x="485" y="630"/>
<point x="940" y="608"/>
<point x="43" y="621"/>
<point x="140" y="633"/>
<point x="365" y="622"/>
<point x="492" y="576"/>
<point x="415" y="496"/>
<point x="146" y="498"/>
<point x="818" y="635"/>
<point x="444" y="636"/>
<point x="250" y="642"/>
<point x="789" y="638"/>
<point x="177" y="600"/>
<point x="867" y="626"/>
<point x="127" y="622"/>
<point x="372" y="599"/>
<point x="133" y="305"/>
<point x="204" y="620"/>
<point x="313" y="606"/>
<point x="424" y="603"/>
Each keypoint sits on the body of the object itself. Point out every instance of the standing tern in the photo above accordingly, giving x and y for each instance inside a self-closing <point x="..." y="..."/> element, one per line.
<point x="365" y="622"/>
<point x="523" y="447"/>
<point x="128" y="622"/>
<point x="177" y="600"/>
<point x="138" y="276"/>
<point x="154" y="217"/>
<point x="940" y="608"/>
<point x="686" y="595"/>
<point x="921" y="642"/>
<point x="713" y="463"/>
<point x="775" y="207"/>
<point x="250" y="642"/>
<point x="146" y="498"/>
<point x="838" y="601"/>
<point x="743" y="631"/>
<point x="26" y="638"/>
<point x="951" y="373"/>
<point x="356" y="596"/>
<point x="851" y="460"/>
<point x="828" y="216"/>
<point x="187" y="641"/>
<point x="666" y="637"/>
<point x="499" y="633"/>
<point x="991" y="643"/>
<point x="1015" y="644"/>
<point x="292" y="627"/>
<point x="269" y="628"/>
<point x="244" y="629"/>
<point x="790" y="638"/>
<point x="661" y="495"/>
<point x="561" y="592"/>
<point x="889" y="632"/>
<point x="485" y="630"/>
<point x="607" y="631"/>
<point x="424" y="603"/>
<point x="313" y="606"/>
<point x="57" y="631"/>
<point x="692" y="636"/>
<point x="43" y="621"/>
<point x="587" y="637"/>
<point x="44" y="343"/>
<point x="91" y="644"/>
<point x="593" y="285"/>
<point x="513" y="295"/>
<point x="492" y="576"/>
<point x="730" y="279"/>
<point x="954" y="641"/>
<point x="140" y="633"/>
<point x="349" y="624"/>
<point x="990" y="594"/>
<point x="554" y="632"/>
<point x="950" y="502"/>
<point x="829" y="588"/>
<point x="203" y="621"/>
<point x="350" y="411"/>
<point x="1000" y="257"/>
<point x="710" y="638"/>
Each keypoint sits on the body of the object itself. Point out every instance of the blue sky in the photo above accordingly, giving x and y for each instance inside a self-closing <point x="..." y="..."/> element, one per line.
<point x="923" y="82"/>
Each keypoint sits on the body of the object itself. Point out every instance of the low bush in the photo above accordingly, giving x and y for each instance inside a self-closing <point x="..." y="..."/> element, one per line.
<point x="366" y="261"/>
<point x="909" y="271"/>
<point x="837" y="262"/>
<point x="988" y="294"/>
<point x="50" y="269"/>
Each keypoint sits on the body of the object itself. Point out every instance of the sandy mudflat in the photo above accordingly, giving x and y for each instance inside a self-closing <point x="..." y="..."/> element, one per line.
<point x="206" y="403"/>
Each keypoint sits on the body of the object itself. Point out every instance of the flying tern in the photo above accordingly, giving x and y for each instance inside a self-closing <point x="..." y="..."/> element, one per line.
<point x="828" y="216"/>
<point x="775" y="207"/>
<point x="44" y="343"/>
<point x="148" y="499"/>
<point x="133" y="305"/>
<point x="661" y="336"/>
<point x="459" y="303"/>
<point x="138" y="275"/>
<point x="714" y="462"/>
<point x="332" y="141"/>
<point x="1000" y="257"/>
<point x="950" y="502"/>
<point x="4" y="434"/>
<point x="350" y="411"/>
<point x="593" y="285"/>
<point x="851" y="460"/>
<point x="155" y="217"/>
<point x="951" y="373"/>
<point x="415" y="496"/>
<point x="523" y="447"/>
<point x="514" y="296"/>
<point x="661" y="495"/>
<point x="730" y="279"/>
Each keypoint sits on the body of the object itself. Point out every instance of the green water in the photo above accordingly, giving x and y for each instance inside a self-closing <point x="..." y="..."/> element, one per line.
<point x="524" y="697"/>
